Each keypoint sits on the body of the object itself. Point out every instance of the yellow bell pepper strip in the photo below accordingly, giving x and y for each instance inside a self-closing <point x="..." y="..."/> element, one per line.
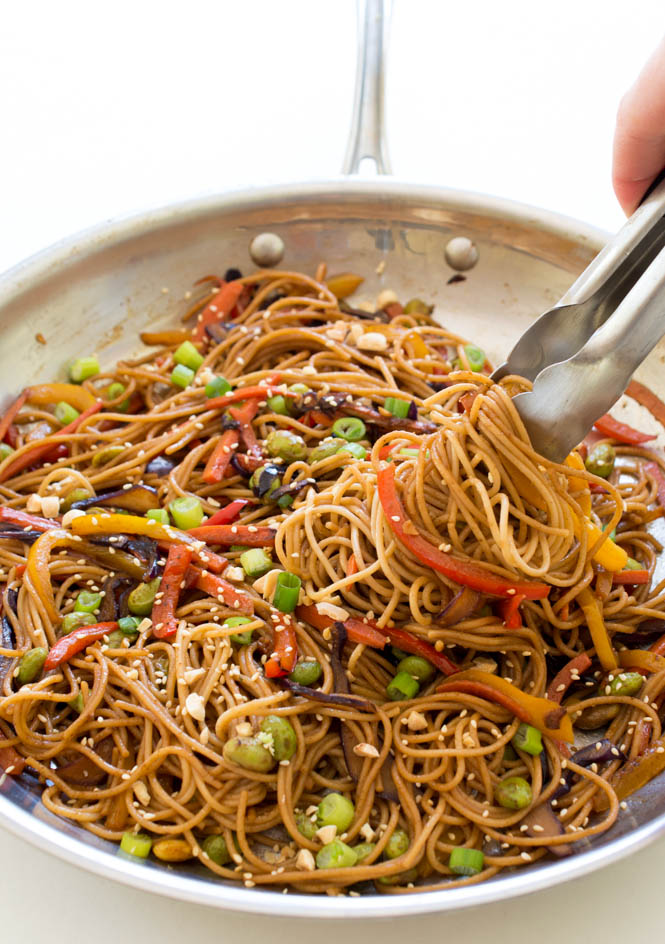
<point x="550" y="719"/>
<point x="579" y="486"/>
<point x="635" y="774"/>
<point x="609" y="555"/>
<point x="566" y="676"/>
<point x="74" y="394"/>
<point x="466" y="573"/>
<point x="596" y="623"/>
<point x="641" y="659"/>
<point x="132" y="524"/>
<point x="415" y="343"/>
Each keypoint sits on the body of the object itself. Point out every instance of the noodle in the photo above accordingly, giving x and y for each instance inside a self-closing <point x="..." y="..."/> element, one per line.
<point x="408" y="528"/>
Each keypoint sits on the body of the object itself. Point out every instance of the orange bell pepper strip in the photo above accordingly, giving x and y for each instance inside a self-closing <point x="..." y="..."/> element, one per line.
<point x="68" y="646"/>
<point x="594" y="620"/>
<point x="132" y="524"/>
<point x="631" y="577"/>
<point x="23" y="520"/>
<point x="564" y="678"/>
<point x="551" y="719"/>
<point x="37" y="566"/>
<point x="636" y="773"/>
<point x="165" y="338"/>
<point x="351" y="566"/>
<point x="413" y="644"/>
<point x="11" y="413"/>
<point x="466" y="573"/>
<point x="641" y="659"/>
<point x="220" y="589"/>
<point x="249" y="535"/>
<point x="285" y="645"/>
<point x="77" y="396"/>
<point x="623" y="433"/>
<point x="39" y="450"/>
<point x="246" y="393"/>
<point x="11" y="761"/>
<point x="164" y="622"/>
<point x="220" y="458"/>
<point x="244" y="414"/>
<point x="218" y="308"/>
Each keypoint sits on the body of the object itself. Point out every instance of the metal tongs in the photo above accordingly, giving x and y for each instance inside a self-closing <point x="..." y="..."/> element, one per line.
<point x="582" y="353"/>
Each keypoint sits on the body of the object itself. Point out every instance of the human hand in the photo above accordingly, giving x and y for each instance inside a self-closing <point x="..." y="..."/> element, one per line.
<point x="639" y="136"/>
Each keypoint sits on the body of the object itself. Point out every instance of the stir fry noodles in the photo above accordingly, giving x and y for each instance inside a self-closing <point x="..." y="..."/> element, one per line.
<point x="291" y="594"/>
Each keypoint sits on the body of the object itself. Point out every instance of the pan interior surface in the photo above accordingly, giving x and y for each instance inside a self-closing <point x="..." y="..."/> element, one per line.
<point x="95" y="292"/>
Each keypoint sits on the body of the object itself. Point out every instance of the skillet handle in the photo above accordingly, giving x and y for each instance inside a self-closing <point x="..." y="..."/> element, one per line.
<point x="366" y="137"/>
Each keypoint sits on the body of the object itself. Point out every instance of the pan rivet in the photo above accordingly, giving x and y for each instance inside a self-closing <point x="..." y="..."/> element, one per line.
<point x="461" y="254"/>
<point x="267" y="249"/>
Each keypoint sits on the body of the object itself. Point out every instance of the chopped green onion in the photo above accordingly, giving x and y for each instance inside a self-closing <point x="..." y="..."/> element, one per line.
<point x="188" y="355"/>
<point x="336" y="855"/>
<point x="285" y="501"/>
<point x="286" y="445"/>
<point x="465" y="861"/>
<point x="87" y="602"/>
<point x="402" y="686"/>
<point x="182" y="376"/>
<point x="102" y="456"/>
<point x="136" y="844"/>
<point x="513" y="793"/>
<point x="217" y="387"/>
<point x="307" y="672"/>
<point x="65" y="414"/>
<point x="632" y="564"/>
<point x="350" y="428"/>
<point x="299" y="388"/>
<point x="71" y="621"/>
<point x="420" y="669"/>
<point x="141" y="599"/>
<point x="129" y="625"/>
<point x="475" y="356"/>
<point x="82" y="368"/>
<point x="187" y="512"/>
<point x="240" y="639"/>
<point x="356" y="450"/>
<point x="30" y="665"/>
<point x="238" y="547"/>
<point x="325" y="449"/>
<point x="116" y="639"/>
<point x="278" y="404"/>
<point x="411" y="453"/>
<point x="158" y="514"/>
<point x="76" y="704"/>
<point x="528" y="739"/>
<point x="216" y="849"/>
<point x="255" y="562"/>
<point x="335" y="809"/>
<point x="397" y="407"/>
<point x="5" y="451"/>
<point x="626" y="683"/>
<point x="287" y="591"/>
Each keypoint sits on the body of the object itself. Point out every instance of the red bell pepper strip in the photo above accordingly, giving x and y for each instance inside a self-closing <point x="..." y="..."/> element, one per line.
<point x="510" y="611"/>
<point x="11" y="413"/>
<point x="656" y="474"/>
<point x="40" y="450"/>
<point x="466" y="573"/>
<point x="68" y="646"/>
<point x="220" y="589"/>
<point x="623" y="433"/>
<point x="220" y="458"/>
<point x="244" y="414"/>
<point x="631" y="577"/>
<point x="246" y="393"/>
<point x="566" y="676"/>
<point x="229" y="513"/>
<point x="11" y="761"/>
<point x="218" y="308"/>
<point x="366" y="633"/>
<point x="249" y="535"/>
<point x="351" y="566"/>
<point x="285" y="645"/>
<point x="407" y="641"/>
<point x="648" y="399"/>
<point x="164" y="622"/>
<point x="23" y="520"/>
<point x="541" y="713"/>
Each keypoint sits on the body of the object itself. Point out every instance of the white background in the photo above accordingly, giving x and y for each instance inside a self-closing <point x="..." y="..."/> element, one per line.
<point x="107" y="109"/>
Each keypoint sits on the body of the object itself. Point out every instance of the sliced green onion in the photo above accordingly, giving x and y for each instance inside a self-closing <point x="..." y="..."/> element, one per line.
<point x="402" y="686"/>
<point x="336" y="855"/>
<point x="71" y="621"/>
<point x="335" y="809"/>
<point x="82" y="368"/>
<point x="528" y="739"/>
<point x="465" y="861"/>
<point x="307" y="672"/>
<point x="129" y="625"/>
<point x="285" y="501"/>
<point x="116" y="639"/>
<point x="299" y="388"/>
<point x="76" y="704"/>
<point x="350" y="428"/>
<point x="136" y="844"/>
<point x="355" y="449"/>
<point x="397" y="407"/>
<point x="141" y="599"/>
<point x="217" y="387"/>
<point x="240" y="639"/>
<point x="475" y="356"/>
<point x="278" y="404"/>
<point x="187" y="512"/>
<point x="411" y="453"/>
<point x="255" y="562"/>
<point x="5" y="451"/>
<point x="158" y="514"/>
<point x="238" y="547"/>
<point x="188" y="355"/>
<point x="325" y="449"/>
<point x="181" y="376"/>
<point x="632" y="564"/>
<point x="420" y="669"/>
<point x="65" y="414"/>
<point x="287" y="591"/>
<point x="87" y="602"/>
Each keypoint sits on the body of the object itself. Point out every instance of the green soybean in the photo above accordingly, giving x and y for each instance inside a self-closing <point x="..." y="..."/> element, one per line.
<point x="513" y="793"/>
<point x="335" y="809"/>
<point x="284" y="739"/>
<point x="249" y="753"/>
<point x="336" y="855"/>
<point x="31" y="664"/>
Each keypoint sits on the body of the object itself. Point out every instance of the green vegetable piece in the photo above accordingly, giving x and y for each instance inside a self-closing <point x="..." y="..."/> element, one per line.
<point x="335" y="809"/>
<point x="31" y="664"/>
<point x="217" y="387"/>
<point x="284" y="739"/>
<point x="325" y="449"/>
<point x="307" y="672"/>
<point x="72" y="621"/>
<point x="420" y="669"/>
<point x="136" y="844"/>
<point x="465" y="861"/>
<point x="285" y="501"/>
<point x="182" y="376"/>
<point x="129" y="625"/>
<point x="397" y="407"/>
<point x="187" y="512"/>
<point x="528" y="739"/>
<point x="305" y="825"/>
<point x="299" y="388"/>
<point x="249" y="753"/>
<point x="241" y="639"/>
<point x="76" y="495"/>
<point x="632" y="564"/>
<point x="278" y="404"/>
<point x="336" y="855"/>
<point x="350" y="428"/>
<point x="256" y="482"/>
<point x="284" y="444"/>
<point x="398" y="844"/>
<point x="416" y="306"/>
<point x="5" y="451"/>
<point x="64" y="413"/>
<point x="403" y="686"/>
<point x="255" y="562"/>
<point x="83" y="368"/>
<point x="513" y="793"/>
<point x="101" y="457"/>
<point x="363" y="851"/>
<point x="475" y="356"/>
<point x="116" y="639"/>
<point x="398" y="654"/>
<point x="355" y="449"/>
<point x="76" y="704"/>
<point x="600" y="460"/>
<point x="188" y="355"/>
<point x="402" y="878"/>
<point x="158" y="514"/>
<point x="114" y="391"/>
<point x="216" y="849"/>
<point x="287" y="591"/>
<point x="87" y="602"/>
<point x="626" y="683"/>
<point x="141" y="599"/>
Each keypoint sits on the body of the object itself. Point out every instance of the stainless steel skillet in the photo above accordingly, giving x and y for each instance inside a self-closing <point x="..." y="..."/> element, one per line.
<point x="97" y="290"/>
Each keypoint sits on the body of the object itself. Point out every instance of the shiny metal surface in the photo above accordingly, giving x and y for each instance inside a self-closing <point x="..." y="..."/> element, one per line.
<point x="96" y="291"/>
